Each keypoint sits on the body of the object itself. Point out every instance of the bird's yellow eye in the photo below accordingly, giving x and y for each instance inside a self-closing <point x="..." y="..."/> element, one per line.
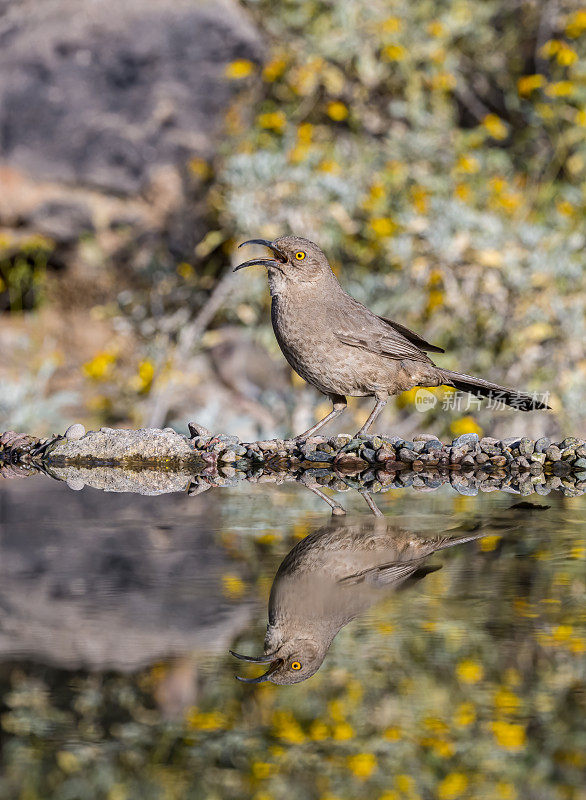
<point x="296" y="664"/>
<point x="299" y="256"/>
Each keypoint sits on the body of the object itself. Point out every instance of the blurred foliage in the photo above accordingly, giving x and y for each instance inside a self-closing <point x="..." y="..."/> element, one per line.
<point x="28" y="403"/>
<point x="23" y="266"/>
<point x="470" y="687"/>
<point x="437" y="152"/>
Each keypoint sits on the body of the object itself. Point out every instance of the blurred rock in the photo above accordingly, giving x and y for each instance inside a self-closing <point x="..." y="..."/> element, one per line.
<point x="106" y="100"/>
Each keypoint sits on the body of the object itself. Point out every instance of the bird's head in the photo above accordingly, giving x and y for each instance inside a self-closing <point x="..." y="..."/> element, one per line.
<point x="296" y="259"/>
<point x="293" y="662"/>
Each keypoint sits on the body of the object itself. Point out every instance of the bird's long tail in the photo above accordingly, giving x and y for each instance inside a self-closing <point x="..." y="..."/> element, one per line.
<point x="482" y="388"/>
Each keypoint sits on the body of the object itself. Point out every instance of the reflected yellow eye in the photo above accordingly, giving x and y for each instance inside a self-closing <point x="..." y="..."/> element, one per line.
<point x="299" y="256"/>
<point x="296" y="664"/>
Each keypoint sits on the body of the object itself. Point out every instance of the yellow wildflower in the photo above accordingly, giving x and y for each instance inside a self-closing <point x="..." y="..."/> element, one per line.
<point x="393" y="734"/>
<point x="99" y="367"/>
<point x="261" y="770"/>
<point x="343" y="731"/>
<point x="566" y="55"/>
<point x="233" y="586"/>
<point x="383" y="226"/>
<point x="436" y="28"/>
<point x="489" y="543"/>
<point x="465" y="715"/>
<point x="318" y="731"/>
<point x="506" y="791"/>
<point x="560" y="89"/>
<point x="468" y="164"/>
<point x="576" y="24"/>
<point x="510" y="735"/>
<point x="204" y="720"/>
<point x="274" y="69"/>
<point x="394" y="52"/>
<point x="404" y="783"/>
<point x="272" y="120"/>
<point x="362" y="765"/>
<point x="443" y="81"/>
<point x="337" y="111"/>
<point x="462" y="192"/>
<point x="506" y="701"/>
<point x="494" y="126"/>
<point x="391" y="25"/>
<point x="241" y="68"/>
<point x="199" y="168"/>
<point x="528" y="83"/>
<point x="465" y="424"/>
<point x="419" y="198"/>
<point x="469" y="671"/>
<point x="550" y="48"/>
<point x="453" y="785"/>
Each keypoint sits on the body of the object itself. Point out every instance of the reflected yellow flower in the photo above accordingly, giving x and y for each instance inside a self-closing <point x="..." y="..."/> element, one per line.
<point x="233" y="586"/>
<point x="469" y="671"/>
<point x="362" y="765"/>
<point x="510" y="735"/>
<point x="453" y="785"/>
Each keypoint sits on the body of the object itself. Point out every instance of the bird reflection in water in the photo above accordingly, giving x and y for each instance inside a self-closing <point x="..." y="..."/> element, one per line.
<point x="329" y="578"/>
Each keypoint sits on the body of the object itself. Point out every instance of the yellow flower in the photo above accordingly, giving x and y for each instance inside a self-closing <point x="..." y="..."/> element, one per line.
<point x="435" y="28"/>
<point x="272" y="120"/>
<point x="199" y="168"/>
<point x="305" y="132"/>
<point x="462" y="192"/>
<point x="560" y="89"/>
<point x="444" y="81"/>
<point x="261" y="770"/>
<point x="391" y="25"/>
<point x="318" y="731"/>
<point x="329" y="165"/>
<point x="550" y="48"/>
<point x="509" y="735"/>
<point x="465" y="715"/>
<point x="489" y="543"/>
<point x="382" y="226"/>
<point x="393" y="734"/>
<point x="362" y="765"/>
<point x="241" y="68"/>
<point x="566" y="55"/>
<point x="576" y="24"/>
<point x="99" y="367"/>
<point x="419" y="198"/>
<point x="468" y="164"/>
<point x="453" y="785"/>
<point x="337" y="111"/>
<point x="506" y="790"/>
<point x="394" y="52"/>
<point x="204" y="720"/>
<point x="506" y="701"/>
<point x="233" y="586"/>
<point x="343" y="731"/>
<point x="404" y="783"/>
<point x="469" y="671"/>
<point x="494" y="126"/>
<point x="528" y="83"/>
<point x="465" y="425"/>
<point x="274" y="69"/>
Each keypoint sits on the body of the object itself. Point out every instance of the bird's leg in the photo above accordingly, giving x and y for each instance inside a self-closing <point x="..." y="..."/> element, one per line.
<point x="337" y="509"/>
<point x="339" y="402"/>
<point x="370" y="503"/>
<point x="380" y="404"/>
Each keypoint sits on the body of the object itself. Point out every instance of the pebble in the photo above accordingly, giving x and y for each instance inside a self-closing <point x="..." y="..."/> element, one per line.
<point x="75" y="432"/>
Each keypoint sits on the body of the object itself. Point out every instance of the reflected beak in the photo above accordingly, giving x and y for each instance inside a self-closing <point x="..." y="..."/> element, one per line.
<point x="275" y="663"/>
<point x="281" y="258"/>
<point x="265" y="677"/>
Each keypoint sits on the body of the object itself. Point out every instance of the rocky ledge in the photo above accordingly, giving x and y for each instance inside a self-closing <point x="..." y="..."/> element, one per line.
<point x="373" y="462"/>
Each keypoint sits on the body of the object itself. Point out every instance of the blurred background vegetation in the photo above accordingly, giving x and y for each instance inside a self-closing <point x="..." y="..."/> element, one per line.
<point x="435" y="150"/>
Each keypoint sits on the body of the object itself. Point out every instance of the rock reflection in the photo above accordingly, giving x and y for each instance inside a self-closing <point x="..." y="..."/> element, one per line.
<point x="332" y="576"/>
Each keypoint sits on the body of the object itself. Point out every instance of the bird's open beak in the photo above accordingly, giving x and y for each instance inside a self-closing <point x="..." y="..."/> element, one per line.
<point x="281" y="258"/>
<point x="275" y="663"/>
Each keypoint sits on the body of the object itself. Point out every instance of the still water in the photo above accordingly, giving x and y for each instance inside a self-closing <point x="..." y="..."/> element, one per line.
<point x="436" y="652"/>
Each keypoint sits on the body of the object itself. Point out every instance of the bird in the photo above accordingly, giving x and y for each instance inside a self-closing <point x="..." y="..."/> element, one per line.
<point x="330" y="577"/>
<point x="342" y="347"/>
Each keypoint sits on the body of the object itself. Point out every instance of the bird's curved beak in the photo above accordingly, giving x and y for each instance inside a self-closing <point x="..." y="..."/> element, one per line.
<point x="281" y="258"/>
<point x="275" y="663"/>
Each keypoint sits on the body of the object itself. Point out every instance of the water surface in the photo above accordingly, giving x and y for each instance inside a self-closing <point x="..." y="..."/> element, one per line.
<point x="118" y="612"/>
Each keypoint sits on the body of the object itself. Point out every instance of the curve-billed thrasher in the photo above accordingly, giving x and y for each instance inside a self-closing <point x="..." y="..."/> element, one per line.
<point x="328" y="579"/>
<point x="341" y="347"/>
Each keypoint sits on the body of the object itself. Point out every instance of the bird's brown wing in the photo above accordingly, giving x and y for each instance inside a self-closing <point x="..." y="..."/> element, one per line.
<point x="386" y="574"/>
<point x="413" y="337"/>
